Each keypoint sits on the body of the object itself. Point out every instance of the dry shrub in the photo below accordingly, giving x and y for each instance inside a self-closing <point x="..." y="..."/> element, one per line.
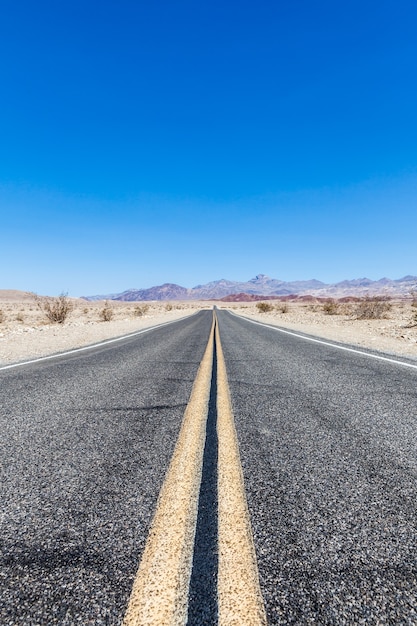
<point x="140" y="310"/>
<point x="346" y="308"/>
<point x="106" y="313"/>
<point x="264" y="307"/>
<point x="413" y="295"/>
<point x="56" y="310"/>
<point x="20" y="318"/>
<point x="331" y="307"/>
<point x="372" y="308"/>
<point x="168" y="307"/>
<point x="2" y="316"/>
<point x="282" y="307"/>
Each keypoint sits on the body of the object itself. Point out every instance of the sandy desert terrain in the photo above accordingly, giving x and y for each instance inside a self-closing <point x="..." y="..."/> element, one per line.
<point x="396" y="333"/>
<point x="26" y="333"/>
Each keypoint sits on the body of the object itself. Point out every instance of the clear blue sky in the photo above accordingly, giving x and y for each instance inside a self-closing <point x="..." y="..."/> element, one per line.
<point x="182" y="141"/>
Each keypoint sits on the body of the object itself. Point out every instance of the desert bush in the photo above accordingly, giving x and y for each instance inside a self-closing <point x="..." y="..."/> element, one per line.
<point x="140" y="310"/>
<point x="20" y="318"/>
<point x="56" y="310"/>
<point x="331" y="307"/>
<point x="413" y="295"/>
<point x="2" y="316"/>
<point x="346" y="308"/>
<point x="168" y="307"/>
<point x="264" y="307"/>
<point x="372" y="308"/>
<point x="106" y="313"/>
<point x="282" y="307"/>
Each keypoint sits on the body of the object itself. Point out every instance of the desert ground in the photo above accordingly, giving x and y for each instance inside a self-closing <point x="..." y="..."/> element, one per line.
<point x="26" y="333"/>
<point x="394" y="333"/>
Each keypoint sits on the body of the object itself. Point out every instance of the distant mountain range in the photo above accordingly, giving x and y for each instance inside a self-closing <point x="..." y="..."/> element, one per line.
<point x="263" y="285"/>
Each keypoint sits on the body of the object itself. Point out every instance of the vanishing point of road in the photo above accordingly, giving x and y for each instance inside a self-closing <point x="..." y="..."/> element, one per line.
<point x="212" y="470"/>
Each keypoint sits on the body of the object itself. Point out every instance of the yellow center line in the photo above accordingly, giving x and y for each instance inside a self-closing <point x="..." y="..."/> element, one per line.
<point x="160" y="591"/>
<point x="239" y="594"/>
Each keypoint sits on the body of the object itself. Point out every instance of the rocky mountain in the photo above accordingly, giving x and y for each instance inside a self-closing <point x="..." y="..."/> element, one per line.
<point x="260" y="285"/>
<point x="396" y="288"/>
<point x="263" y="285"/>
<point x="215" y="290"/>
<point x="167" y="291"/>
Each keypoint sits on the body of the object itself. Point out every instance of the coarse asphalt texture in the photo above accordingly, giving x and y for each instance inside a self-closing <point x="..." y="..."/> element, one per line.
<point x="328" y="444"/>
<point x="86" y="442"/>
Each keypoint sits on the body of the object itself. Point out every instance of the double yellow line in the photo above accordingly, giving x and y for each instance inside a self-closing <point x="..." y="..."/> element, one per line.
<point x="160" y="591"/>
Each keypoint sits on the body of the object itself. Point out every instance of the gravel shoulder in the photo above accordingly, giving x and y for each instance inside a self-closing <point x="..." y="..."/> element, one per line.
<point x="394" y="334"/>
<point x="25" y="333"/>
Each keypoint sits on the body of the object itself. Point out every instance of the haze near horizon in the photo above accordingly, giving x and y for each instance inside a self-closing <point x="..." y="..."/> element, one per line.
<point x="145" y="143"/>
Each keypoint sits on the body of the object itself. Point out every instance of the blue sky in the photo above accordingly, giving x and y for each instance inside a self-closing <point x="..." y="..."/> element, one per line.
<point x="151" y="142"/>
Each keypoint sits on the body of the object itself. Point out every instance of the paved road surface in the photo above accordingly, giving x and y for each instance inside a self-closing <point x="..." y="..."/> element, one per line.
<point x="86" y="441"/>
<point x="328" y="444"/>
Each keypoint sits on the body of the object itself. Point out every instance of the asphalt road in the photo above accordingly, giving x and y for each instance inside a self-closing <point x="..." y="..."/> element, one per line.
<point x="85" y="443"/>
<point x="328" y="444"/>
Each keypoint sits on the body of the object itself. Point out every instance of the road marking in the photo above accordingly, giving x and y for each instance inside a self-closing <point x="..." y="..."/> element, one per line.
<point x="239" y="594"/>
<point x="160" y="591"/>
<point x="90" y="346"/>
<point x="328" y="343"/>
